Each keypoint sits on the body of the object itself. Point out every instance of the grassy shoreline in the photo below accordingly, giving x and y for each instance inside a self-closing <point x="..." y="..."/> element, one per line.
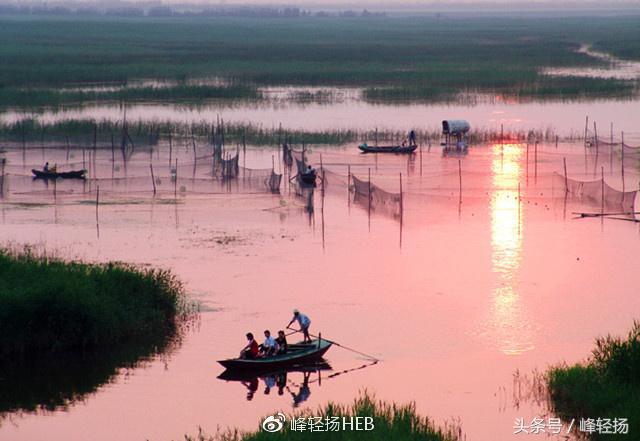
<point x="49" y="306"/>
<point x="81" y="131"/>
<point x="391" y="422"/>
<point x="607" y="385"/>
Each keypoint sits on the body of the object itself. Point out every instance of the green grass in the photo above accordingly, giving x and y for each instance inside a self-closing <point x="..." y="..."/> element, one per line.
<point x="22" y="97"/>
<point x="391" y="422"/>
<point x="431" y="57"/>
<point x="81" y="131"/>
<point x="50" y="306"/>
<point x="606" y="386"/>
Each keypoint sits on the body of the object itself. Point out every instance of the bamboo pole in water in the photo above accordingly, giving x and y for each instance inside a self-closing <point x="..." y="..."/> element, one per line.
<point x="170" y="149"/>
<point x="460" y="178"/>
<point x="97" y="201"/>
<point x="153" y="179"/>
<point x="595" y="132"/>
<point x="348" y="185"/>
<point x="535" y="161"/>
<point x="4" y="161"/>
<point x="369" y="195"/>
<point x="586" y="128"/>
<point x="622" y="159"/>
<point x="566" y="179"/>
<point x="175" y="182"/>
<point x="401" y="199"/>
<point x="611" y="149"/>
<point x="602" y="190"/>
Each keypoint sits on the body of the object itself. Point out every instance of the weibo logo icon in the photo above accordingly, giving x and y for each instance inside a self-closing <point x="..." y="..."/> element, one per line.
<point x="274" y="423"/>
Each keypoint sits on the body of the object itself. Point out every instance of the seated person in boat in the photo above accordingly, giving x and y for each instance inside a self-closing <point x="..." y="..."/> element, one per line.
<point x="283" y="347"/>
<point x="250" y="351"/>
<point x="304" y="323"/>
<point x="310" y="171"/>
<point x="46" y="167"/>
<point x="269" y="347"/>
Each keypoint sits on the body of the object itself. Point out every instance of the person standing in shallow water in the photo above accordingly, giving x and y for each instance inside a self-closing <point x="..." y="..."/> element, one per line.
<point x="304" y="322"/>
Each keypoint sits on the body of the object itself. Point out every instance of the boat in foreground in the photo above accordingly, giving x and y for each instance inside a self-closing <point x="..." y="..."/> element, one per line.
<point x="298" y="354"/>
<point x="245" y="375"/>
<point x="74" y="174"/>
<point x="365" y="148"/>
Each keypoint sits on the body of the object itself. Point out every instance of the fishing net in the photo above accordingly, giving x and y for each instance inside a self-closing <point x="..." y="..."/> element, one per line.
<point x="229" y="168"/>
<point x="301" y="161"/>
<point x="287" y="158"/>
<point x="375" y="198"/>
<point x="597" y="192"/>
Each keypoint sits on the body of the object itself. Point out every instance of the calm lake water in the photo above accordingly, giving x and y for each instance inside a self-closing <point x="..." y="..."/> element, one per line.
<point x="462" y="299"/>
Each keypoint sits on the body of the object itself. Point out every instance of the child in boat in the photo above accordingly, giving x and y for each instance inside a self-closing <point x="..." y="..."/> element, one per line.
<point x="250" y="351"/>
<point x="269" y="347"/>
<point x="304" y="323"/>
<point x="283" y="347"/>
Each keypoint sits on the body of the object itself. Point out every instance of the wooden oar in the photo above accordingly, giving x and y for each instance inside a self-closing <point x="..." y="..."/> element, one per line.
<point x="344" y="347"/>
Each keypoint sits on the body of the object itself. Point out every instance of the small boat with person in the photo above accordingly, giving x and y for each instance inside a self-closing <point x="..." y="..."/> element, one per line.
<point x="365" y="148"/>
<point x="51" y="174"/>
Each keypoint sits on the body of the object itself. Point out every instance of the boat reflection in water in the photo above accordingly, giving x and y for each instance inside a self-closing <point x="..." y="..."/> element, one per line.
<point x="295" y="380"/>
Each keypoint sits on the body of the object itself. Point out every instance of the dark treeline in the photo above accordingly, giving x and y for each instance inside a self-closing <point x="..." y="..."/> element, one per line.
<point x="131" y="10"/>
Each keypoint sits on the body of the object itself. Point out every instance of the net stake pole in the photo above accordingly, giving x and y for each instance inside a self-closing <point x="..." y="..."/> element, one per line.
<point x="97" y="201"/>
<point x="460" y="179"/>
<point x="4" y="161"/>
<point x="369" y="192"/>
<point x="421" y="158"/>
<point x="566" y="179"/>
<point x="602" y="189"/>
<point x="622" y="150"/>
<point x="535" y="161"/>
<point x="595" y="131"/>
<point x="175" y="183"/>
<point x="170" y="149"/>
<point x="527" y="160"/>
<point x="153" y="179"/>
<point x="556" y="141"/>
<point x="586" y="128"/>
<point x="611" y="149"/>
<point x="348" y="185"/>
<point x="401" y="199"/>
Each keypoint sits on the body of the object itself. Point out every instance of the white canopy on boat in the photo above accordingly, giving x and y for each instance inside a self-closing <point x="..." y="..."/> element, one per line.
<point x="455" y="126"/>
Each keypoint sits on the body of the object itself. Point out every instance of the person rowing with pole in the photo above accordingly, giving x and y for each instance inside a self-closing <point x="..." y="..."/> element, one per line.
<point x="304" y="323"/>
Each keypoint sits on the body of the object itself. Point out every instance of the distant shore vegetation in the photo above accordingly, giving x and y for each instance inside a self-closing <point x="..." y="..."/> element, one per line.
<point x="424" y="58"/>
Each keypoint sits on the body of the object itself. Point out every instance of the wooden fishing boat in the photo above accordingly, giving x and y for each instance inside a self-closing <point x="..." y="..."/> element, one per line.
<point x="387" y="148"/>
<point x="245" y="375"/>
<point x="74" y="174"/>
<point x="298" y="354"/>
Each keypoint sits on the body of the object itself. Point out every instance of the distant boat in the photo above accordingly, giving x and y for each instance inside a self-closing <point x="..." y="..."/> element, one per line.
<point x="387" y="148"/>
<point x="298" y="354"/>
<point x="74" y="174"/>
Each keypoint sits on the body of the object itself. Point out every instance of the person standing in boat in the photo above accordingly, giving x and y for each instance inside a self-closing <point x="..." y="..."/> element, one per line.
<point x="304" y="323"/>
<point x="412" y="137"/>
<point x="250" y="351"/>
